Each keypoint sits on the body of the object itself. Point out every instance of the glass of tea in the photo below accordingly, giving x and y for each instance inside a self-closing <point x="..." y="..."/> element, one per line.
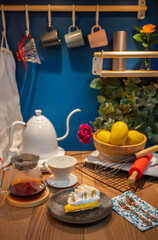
<point x="26" y="180"/>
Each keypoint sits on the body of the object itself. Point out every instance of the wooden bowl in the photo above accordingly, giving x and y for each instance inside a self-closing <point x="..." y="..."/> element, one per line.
<point x="109" y="150"/>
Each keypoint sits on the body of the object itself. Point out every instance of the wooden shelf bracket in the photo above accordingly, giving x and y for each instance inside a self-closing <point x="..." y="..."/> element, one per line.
<point x="141" y="14"/>
<point x="97" y="65"/>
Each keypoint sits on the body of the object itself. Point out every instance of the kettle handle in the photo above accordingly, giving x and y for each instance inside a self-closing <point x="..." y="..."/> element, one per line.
<point x="1" y="181"/>
<point x="67" y="124"/>
<point x="14" y="124"/>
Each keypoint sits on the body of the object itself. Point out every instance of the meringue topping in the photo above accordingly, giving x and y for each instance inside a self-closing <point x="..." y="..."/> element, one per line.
<point x="83" y="194"/>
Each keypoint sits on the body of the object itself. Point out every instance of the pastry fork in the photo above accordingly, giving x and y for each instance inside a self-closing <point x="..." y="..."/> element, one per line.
<point x="124" y="206"/>
<point x="132" y="202"/>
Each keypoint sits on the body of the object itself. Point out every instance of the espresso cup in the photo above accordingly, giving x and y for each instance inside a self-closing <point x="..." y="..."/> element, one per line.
<point x="75" y="38"/>
<point x="50" y="37"/>
<point x="97" y="38"/>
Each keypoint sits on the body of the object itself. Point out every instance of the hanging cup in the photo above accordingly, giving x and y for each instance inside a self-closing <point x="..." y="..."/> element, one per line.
<point x="50" y="37"/>
<point x="97" y="38"/>
<point x="75" y="38"/>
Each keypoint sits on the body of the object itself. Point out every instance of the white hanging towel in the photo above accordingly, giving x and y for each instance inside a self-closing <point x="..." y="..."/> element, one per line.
<point x="9" y="101"/>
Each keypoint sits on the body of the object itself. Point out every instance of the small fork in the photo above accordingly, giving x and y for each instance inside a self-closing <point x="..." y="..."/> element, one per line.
<point x="132" y="202"/>
<point x="124" y="206"/>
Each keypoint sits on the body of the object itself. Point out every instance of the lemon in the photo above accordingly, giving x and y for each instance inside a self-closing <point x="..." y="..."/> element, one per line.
<point x="119" y="133"/>
<point x="134" y="137"/>
<point x="103" y="136"/>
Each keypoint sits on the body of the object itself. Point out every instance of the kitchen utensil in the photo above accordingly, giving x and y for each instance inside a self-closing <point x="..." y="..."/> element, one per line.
<point x="61" y="166"/>
<point x="28" y="53"/>
<point x="137" y="169"/>
<point x="129" y="216"/>
<point x="114" y="161"/>
<point x="151" y="170"/>
<point x="26" y="179"/>
<point x="119" y="44"/>
<point x="39" y="135"/>
<point x="75" y="38"/>
<point x="132" y="202"/>
<point x="124" y="206"/>
<point x="108" y="150"/>
<point x="59" y="200"/>
<point x="97" y="38"/>
<point x="50" y="37"/>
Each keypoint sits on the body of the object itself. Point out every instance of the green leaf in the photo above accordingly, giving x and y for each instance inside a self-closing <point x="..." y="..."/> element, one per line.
<point x="145" y="44"/>
<point x="150" y="90"/>
<point x="155" y="35"/>
<point x="108" y="108"/>
<point x="154" y="41"/>
<point x="137" y="28"/>
<point x="101" y="99"/>
<point x="98" y="124"/>
<point x="138" y="37"/>
<point x="108" y="124"/>
<point x="134" y="79"/>
<point x="96" y="83"/>
<point x="132" y="100"/>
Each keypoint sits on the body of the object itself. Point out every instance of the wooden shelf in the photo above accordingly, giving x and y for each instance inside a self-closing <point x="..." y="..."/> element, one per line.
<point x="129" y="73"/>
<point x="98" y="64"/>
<point x="127" y="54"/>
<point x="140" y="8"/>
<point x="78" y="8"/>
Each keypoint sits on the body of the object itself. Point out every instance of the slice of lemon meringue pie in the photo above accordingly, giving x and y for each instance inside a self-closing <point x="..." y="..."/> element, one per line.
<point x="82" y="198"/>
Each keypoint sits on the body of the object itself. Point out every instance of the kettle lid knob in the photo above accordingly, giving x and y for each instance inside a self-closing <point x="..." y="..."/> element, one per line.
<point x="38" y="112"/>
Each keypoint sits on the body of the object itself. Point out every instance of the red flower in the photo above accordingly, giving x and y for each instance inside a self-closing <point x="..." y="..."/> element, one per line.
<point x="85" y="133"/>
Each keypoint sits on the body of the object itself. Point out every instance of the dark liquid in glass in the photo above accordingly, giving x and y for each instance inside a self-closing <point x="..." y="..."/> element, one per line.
<point x="28" y="190"/>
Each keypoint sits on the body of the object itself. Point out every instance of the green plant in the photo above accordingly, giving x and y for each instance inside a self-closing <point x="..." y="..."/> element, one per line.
<point x="145" y="35"/>
<point x="132" y="100"/>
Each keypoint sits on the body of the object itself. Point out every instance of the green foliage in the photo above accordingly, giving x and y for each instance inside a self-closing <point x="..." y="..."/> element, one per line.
<point x="138" y="37"/>
<point x="145" y="38"/>
<point x="137" y="28"/>
<point x="132" y="100"/>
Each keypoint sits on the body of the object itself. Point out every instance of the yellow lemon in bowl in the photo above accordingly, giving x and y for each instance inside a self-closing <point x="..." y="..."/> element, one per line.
<point x="119" y="133"/>
<point x="134" y="137"/>
<point x="103" y="136"/>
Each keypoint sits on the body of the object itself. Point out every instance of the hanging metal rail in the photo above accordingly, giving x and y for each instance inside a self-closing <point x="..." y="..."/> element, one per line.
<point x="141" y="8"/>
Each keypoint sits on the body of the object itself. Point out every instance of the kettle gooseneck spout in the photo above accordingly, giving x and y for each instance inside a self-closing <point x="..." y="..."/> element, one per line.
<point x="67" y="124"/>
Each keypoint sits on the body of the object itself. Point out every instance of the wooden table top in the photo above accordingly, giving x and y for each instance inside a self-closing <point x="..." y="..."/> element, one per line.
<point x="37" y="224"/>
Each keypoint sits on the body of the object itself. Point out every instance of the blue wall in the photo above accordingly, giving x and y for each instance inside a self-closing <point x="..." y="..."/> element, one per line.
<point x="61" y="83"/>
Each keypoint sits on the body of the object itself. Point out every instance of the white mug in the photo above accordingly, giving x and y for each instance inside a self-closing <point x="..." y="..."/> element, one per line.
<point x="75" y="38"/>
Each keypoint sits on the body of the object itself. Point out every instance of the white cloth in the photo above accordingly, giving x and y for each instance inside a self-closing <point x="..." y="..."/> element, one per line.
<point x="151" y="170"/>
<point x="9" y="102"/>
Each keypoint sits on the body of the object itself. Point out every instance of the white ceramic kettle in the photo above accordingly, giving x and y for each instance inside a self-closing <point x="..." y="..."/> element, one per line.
<point x="39" y="135"/>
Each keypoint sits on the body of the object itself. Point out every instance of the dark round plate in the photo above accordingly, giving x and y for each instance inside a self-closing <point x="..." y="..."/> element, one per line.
<point x="59" y="200"/>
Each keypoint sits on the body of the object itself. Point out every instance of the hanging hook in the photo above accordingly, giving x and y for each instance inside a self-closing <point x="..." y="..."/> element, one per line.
<point x="3" y="22"/>
<point x="73" y="15"/>
<point x="49" y="16"/>
<point x="97" y="16"/>
<point x="27" y="21"/>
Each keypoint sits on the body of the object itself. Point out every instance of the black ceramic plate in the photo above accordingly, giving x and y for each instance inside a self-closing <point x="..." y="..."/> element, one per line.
<point x="59" y="200"/>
